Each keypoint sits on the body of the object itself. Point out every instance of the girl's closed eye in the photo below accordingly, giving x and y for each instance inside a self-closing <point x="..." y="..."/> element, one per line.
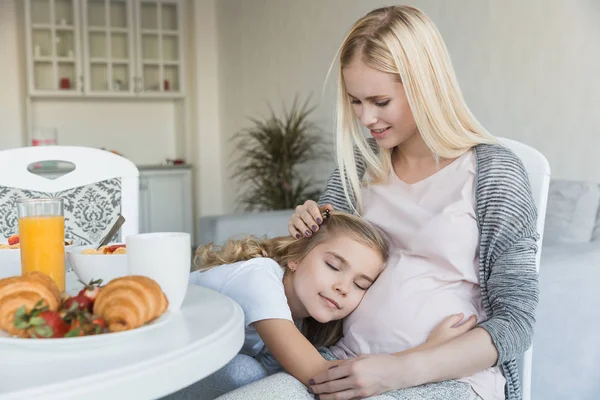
<point x="360" y="286"/>
<point x="331" y="266"/>
<point x="382" y="103"/>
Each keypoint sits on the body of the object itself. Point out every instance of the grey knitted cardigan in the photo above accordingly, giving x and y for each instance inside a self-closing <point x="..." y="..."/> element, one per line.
<point x="507" y="218"/>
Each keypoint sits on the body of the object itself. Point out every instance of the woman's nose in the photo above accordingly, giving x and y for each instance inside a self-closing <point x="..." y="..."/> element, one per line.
<point x="368" y="116"/>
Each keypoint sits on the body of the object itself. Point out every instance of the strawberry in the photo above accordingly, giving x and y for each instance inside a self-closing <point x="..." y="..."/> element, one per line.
<point x="40" y="323"/>
<point x="75" y="329"/>
<point x="91" y="290"/>
<point x="14" y="239"/>
<point x="80" y="302"/>
<point x="99" y="325"/>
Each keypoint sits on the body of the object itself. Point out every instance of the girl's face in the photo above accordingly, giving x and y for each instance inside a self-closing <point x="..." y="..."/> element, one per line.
<point x="331" y="280"/>
<point x="380" y="103"/>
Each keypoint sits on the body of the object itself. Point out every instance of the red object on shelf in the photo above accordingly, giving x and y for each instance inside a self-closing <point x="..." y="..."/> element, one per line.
<point x="65" y="83"/>
<point x="166" y="84"/>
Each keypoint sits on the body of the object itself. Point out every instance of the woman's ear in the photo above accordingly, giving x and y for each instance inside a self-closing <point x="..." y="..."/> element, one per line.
<point x="292" y="265"/>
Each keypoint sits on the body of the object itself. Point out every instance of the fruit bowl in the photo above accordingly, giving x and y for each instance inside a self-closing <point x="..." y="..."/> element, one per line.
<point x="89" y="267"/>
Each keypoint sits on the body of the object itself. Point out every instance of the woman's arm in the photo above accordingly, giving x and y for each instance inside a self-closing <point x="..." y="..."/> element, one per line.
<point x="291" y="349"/>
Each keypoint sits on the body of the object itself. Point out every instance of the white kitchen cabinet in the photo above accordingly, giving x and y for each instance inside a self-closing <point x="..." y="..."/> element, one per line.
<point x="52" y="40"/>
<point x="105" y="48"/>
<point x="166" y="200"/>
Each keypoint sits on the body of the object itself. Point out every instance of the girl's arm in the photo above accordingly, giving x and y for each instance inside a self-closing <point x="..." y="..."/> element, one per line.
<point x="300" y="358"/>
<point x="291" y="349"/>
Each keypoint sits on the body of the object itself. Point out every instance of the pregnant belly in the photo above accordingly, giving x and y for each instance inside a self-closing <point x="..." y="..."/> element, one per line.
<point x="392" y="319"/>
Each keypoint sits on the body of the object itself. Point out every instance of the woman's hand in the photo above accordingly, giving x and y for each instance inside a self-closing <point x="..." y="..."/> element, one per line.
<point x="364" y="376"/>
<point x="307" y="219"/>
<point x="448" y="329"/>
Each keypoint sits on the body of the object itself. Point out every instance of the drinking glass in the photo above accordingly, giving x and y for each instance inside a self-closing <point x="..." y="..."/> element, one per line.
<point x="42" y="238"/>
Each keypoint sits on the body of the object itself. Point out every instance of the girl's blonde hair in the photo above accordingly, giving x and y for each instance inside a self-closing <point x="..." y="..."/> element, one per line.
<point x="403" y="41"/>
<point x="284" y="249"/>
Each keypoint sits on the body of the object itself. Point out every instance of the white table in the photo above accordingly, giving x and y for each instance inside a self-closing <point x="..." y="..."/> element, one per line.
<point x="190" y="345"/>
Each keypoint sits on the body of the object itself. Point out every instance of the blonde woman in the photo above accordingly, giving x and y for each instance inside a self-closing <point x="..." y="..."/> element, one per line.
<point x="458" y="209"/>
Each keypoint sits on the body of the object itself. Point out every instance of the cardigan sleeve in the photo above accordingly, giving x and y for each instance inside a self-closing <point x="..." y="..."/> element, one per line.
<point x="334" y="190"/>
<point x="509" y="279"/>
<point x="334" y="194"/>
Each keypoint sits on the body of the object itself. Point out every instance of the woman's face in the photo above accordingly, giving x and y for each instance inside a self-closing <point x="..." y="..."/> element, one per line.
<point x="379" y="102"/>
<point x="332" y="279"/>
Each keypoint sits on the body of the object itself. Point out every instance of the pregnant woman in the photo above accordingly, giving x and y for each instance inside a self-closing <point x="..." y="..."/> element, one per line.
<point x="458" y="209"/>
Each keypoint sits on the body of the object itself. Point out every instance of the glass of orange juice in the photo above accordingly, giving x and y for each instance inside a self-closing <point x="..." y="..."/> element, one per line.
<point x="42" y="238"/>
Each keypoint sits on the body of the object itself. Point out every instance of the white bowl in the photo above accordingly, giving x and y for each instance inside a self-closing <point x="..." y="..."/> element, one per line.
<point x="10" y="263"/>
<point x="89" y="267"/>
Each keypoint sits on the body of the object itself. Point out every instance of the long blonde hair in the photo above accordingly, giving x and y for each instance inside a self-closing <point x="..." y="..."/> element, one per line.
<point x="403" y="41"/>
<point x="284" y="249"/>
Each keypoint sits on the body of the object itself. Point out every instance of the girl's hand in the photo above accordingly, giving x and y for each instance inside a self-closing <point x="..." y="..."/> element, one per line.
<point x="447" y="329"/>
<point x="307" y="219"/>
<point x="364" y="376"/>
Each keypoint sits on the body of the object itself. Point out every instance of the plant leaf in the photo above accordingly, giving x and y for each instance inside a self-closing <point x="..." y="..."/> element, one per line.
<point x="269" y="156"/>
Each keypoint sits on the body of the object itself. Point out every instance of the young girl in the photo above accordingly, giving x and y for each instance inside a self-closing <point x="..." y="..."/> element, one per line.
<point x="294" y="294"/>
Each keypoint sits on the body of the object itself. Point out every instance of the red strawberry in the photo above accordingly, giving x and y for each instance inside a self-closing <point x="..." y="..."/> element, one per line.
<point x="41" y="323"/>
<point x="14" y="239"/>
<point x="99" y="325"/>
<point x="75" y="329"/>
<point x="80" y="302"/>
<point x="91" y="290"/>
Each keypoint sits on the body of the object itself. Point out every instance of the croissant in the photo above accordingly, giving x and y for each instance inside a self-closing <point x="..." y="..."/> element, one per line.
<point x="26" y="290"/>
<point x="130" y="302"/>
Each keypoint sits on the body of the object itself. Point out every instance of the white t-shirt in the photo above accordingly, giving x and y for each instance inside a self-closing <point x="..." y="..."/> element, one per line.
<point x="257" y="286"/>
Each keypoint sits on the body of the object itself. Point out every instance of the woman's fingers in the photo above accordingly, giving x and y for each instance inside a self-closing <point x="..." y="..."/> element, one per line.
<point x="299" y="224"/>
<point x="293" y="230"/>
<point x="307" y="218"/>
<point x="468" y="325"/>
<point x="452" y="320"/>
<point x="333" y="373"/>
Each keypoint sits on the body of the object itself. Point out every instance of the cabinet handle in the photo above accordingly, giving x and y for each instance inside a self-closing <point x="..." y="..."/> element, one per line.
<point x="81" y="83"/>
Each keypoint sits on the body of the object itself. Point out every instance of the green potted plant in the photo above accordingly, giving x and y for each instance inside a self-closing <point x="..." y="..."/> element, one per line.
<point x="269" y="156"/>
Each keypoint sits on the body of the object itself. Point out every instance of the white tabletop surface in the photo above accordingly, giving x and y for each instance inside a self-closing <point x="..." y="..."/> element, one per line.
<point x="191" y="344"/>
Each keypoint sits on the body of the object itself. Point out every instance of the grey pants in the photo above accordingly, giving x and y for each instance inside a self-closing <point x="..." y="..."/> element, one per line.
<point x="283" y="386"/>
<point x="240" y="371"/>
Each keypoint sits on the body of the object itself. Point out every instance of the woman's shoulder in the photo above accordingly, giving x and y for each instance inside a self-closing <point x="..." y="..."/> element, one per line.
<point x="495" y="161"/>
<point x="502" y="182"/>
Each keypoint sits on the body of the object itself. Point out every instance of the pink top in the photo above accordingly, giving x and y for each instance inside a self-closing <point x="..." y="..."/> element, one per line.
<point x="433" y="270"/>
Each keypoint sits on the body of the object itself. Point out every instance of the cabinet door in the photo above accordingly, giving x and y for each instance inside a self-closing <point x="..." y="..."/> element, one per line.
<point x="108" y="44"/>
<point x="52" y="34"/>
<point x="168" y="201"/>
<point x="160" y="47"/>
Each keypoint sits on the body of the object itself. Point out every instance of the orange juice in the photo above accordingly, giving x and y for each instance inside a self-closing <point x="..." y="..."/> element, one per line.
<point x="43" y="246"/>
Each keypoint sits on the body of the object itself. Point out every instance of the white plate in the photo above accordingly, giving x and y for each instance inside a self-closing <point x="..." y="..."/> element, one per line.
<point x="82" y="341"/>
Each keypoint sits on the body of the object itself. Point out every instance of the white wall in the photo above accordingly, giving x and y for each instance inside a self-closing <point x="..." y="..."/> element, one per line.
<point x="143" y="131"/>
<point x="530" y="70"/>
<point x="12" y="77"/>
